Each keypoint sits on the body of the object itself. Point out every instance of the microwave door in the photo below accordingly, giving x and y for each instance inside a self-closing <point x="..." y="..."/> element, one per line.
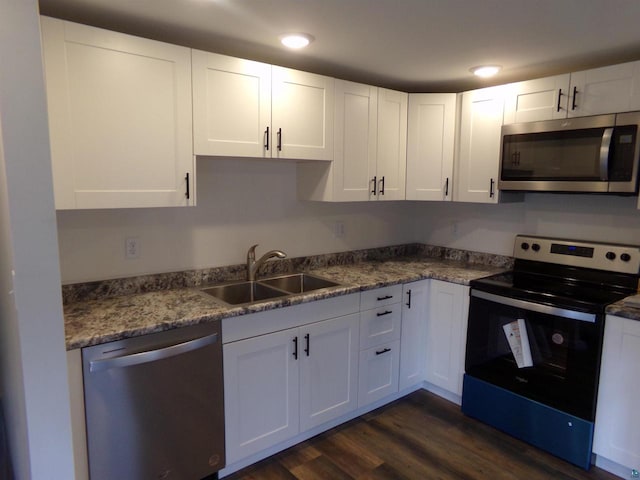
<point x="561" y="161"/>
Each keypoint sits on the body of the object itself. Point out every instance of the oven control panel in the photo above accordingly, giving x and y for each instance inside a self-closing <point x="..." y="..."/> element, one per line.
<point x="602" y="256"/>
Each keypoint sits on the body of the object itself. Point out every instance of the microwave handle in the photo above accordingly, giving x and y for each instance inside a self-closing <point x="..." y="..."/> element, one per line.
<point x="605" y="148"/>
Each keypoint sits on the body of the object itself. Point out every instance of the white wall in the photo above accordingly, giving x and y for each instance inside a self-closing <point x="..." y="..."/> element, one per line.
<point x="246" y="201"/>
<point x="33" y="373"/>
<point x="240" y="202"/>
<point x="491" y="228"/>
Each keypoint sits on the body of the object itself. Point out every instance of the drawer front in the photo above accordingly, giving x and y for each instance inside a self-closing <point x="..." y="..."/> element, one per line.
<point x="380" y="325"/>
<point x="380" y="297"/>
<point x="379" y="371"/>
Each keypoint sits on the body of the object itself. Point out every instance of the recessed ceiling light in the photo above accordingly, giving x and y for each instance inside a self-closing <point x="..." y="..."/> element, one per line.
<point x="486" y="71"/>
<point x="296" y="40"/>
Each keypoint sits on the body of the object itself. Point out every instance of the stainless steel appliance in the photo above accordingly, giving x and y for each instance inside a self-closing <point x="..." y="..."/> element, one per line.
<point x="596" y="154"/>
<point x="534" y="341"/>
<point x="154" y="405"/>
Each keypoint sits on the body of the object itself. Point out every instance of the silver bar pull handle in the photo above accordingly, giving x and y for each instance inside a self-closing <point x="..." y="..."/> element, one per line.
<point x="535" y="307"/>
<point x="605" y="147"/>
<point x="152" y="355"/>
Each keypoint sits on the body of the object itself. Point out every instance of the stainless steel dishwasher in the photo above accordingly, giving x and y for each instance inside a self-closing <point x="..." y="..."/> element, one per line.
<point x="154" y="406"/>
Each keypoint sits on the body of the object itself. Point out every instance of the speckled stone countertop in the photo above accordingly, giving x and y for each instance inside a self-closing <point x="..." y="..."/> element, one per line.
<point x="624" y="310"/>
<point x="99" y="320"/>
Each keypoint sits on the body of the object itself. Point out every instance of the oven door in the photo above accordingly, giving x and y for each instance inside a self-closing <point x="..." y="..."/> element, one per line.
<point x="547" y="354"/>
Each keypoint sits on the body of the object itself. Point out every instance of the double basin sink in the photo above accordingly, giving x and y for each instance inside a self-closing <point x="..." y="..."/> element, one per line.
<point x="247" y="292"/>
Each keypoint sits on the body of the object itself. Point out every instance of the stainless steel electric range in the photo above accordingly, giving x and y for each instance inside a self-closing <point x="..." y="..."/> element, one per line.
<point x="534" y="340"/>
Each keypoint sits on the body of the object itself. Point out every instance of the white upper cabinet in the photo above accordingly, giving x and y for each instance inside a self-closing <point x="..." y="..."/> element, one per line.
<point x="302" y="115"/>
<point x="356" y="127"/>
<point x="119" y="118"/>
<point x="430" y="145"/>
<point x="534" y="100"/>
<point x="250" y="109"/>
<point x="370" y="148"/>
<point x="478" y="161"/>
<point x="391" y="163"/>
<point x="610" y="89"/>
<point x="231" y="106"/>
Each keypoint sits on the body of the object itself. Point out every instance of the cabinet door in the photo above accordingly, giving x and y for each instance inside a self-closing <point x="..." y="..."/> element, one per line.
<point x="260" y="393"/>
<point x="479" y="148"/>
<point x="605" y="90"/>
<point x="413" y="343"/>
<point x="119" y="118"/>
<point x="328" y="370"/>
<point x="231" y="106"/>
<point x="378" y="372"/>
<point x="446" y="335"/>
<point x="617" y="436"/>
<point x="539" y="99"/>
<point x="392" y="144"/>
<point x="356" y="125"/>
<point x="302" y="115"/>
<point x="430" y="141"/>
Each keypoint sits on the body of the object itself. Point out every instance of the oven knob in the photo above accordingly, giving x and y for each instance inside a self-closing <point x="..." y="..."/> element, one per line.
<point x="535" y="247"/>
<point x="524" y="246"/>
<point x="610" y="256"/>
<point x="625" y="257"/>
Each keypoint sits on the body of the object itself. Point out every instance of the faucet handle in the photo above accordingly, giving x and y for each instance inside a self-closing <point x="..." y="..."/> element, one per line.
<point x="251" y="254"/>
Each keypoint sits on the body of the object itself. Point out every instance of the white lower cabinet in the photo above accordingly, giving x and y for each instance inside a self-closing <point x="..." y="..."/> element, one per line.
<point x="328" y="370"/>
<point x="415" y="310"/>
<point x="283" y="383"/>
<point x="379" y="344"/>
<point x="378" y="372"/>
<point x="446" y="335"/>
<point x="617" y="430"/>
<point x="261" y="379"/>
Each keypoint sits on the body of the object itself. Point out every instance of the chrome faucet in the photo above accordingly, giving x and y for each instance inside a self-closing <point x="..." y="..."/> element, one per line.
<point x="253" y="265"/>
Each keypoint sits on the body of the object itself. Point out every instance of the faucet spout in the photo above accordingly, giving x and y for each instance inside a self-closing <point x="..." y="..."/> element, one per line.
<point x="253" y="265"/>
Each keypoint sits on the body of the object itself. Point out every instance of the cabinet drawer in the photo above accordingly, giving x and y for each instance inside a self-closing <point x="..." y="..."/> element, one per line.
<point x="379" y="370"/>
<point x="380" y="297"/>
<point x="380" y="325"/>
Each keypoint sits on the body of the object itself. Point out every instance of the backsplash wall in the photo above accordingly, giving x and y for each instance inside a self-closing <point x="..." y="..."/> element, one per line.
<point x="240" y="202"/>
<point x="246" y="201"/>
<point x="491" y="228"/>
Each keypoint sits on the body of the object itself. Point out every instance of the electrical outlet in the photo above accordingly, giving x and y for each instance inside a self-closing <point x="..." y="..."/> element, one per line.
<point x="338" y="230"/>
<point x="132" y="248"/>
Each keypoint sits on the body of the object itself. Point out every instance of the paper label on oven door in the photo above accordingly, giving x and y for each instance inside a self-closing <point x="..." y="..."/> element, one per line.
<point x="516" y="333"/>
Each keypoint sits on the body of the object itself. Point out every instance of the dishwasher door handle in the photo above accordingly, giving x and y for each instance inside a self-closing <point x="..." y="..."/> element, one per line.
<point x="152" y="355"/>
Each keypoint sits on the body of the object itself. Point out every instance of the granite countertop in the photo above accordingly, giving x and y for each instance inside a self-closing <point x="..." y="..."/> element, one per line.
<point x="103" y="320"/>
<point x="625" y="309"/>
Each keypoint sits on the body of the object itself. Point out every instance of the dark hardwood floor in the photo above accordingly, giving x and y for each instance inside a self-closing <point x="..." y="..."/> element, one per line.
<point x="419" y="437"/>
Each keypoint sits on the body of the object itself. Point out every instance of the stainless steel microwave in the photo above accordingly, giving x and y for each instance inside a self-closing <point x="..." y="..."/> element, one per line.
<point x="596" y="154"/>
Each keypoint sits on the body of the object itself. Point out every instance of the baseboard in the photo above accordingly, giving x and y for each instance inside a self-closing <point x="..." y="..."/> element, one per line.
<point x="613" y="467"/>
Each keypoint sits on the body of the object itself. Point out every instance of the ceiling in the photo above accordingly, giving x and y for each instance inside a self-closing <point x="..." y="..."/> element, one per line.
<point x="410" y="45"/>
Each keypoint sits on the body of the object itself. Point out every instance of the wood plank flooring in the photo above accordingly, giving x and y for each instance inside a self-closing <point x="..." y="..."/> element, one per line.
<point x="419" y="437"/>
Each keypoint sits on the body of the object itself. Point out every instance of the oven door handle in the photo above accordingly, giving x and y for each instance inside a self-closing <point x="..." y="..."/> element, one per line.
<point x="535" y="307"/>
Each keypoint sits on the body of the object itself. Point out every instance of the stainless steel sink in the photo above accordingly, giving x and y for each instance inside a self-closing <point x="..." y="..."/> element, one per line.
<point x="240" y="293"/>
<point x="243" y="292"/>
<point x="299" y="282"/>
